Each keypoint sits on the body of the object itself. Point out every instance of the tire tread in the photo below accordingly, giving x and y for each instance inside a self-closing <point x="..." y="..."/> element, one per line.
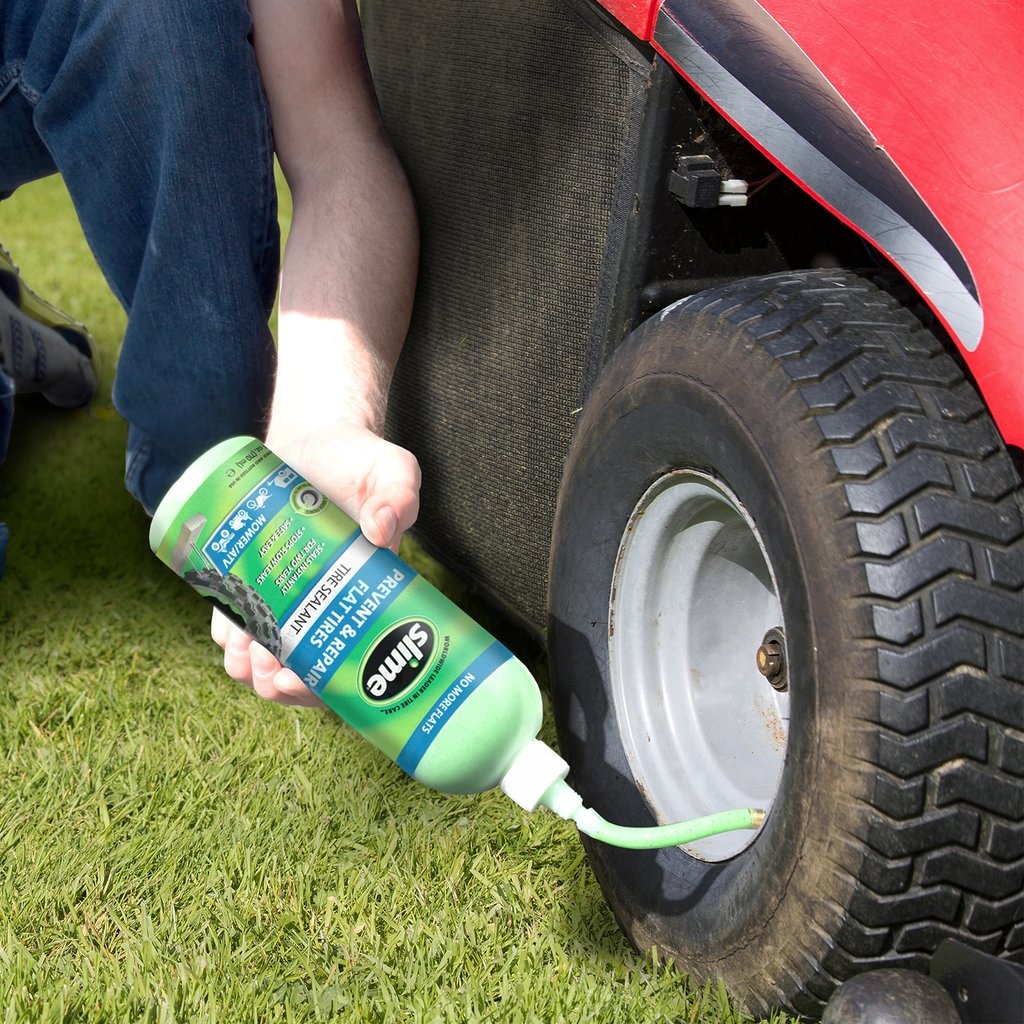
<point x="916" y="454"/>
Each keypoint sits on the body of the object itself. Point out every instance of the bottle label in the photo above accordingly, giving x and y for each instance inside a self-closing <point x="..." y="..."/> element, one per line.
<point x="382" y="647"/>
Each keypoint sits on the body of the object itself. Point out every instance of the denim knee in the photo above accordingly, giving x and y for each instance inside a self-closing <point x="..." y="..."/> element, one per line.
<point x="155" y="115"/>
<point x="138" y="40"/>
<point x="153" y="101"/>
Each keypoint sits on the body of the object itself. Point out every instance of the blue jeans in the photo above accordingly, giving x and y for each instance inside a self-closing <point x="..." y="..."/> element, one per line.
<point x="154" y="114"/>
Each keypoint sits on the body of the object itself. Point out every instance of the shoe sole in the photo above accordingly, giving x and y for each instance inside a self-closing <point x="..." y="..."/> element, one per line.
<point x="37" y="308"/>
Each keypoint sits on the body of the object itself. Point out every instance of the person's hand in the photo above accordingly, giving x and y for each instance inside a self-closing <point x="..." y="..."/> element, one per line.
<point x="373" y="481"/>
<point x="252" y="664"/>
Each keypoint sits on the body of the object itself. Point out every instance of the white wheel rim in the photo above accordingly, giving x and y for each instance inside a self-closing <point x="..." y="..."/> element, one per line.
<point x="693" y="595"/>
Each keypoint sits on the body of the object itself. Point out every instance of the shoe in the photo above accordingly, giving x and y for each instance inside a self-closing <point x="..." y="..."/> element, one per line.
<point x="42" y="348"/>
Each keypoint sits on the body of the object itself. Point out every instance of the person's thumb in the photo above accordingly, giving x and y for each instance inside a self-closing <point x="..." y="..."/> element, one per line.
<point x="379" y="524"/>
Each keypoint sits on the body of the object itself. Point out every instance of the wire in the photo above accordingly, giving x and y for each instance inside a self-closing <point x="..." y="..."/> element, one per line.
<point x="755" y="186"/>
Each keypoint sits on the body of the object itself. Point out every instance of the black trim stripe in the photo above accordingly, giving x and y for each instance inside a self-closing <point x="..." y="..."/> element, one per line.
<point x="735" y="53"/>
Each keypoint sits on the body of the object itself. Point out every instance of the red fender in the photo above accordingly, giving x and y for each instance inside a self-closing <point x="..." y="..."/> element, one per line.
<point x="906" y="120"/>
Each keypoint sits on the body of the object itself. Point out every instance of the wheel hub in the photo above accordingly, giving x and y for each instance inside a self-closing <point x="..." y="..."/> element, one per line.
<point x="694" y="615"/>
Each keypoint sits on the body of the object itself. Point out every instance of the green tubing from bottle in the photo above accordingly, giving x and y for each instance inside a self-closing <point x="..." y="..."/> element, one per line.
<point x="561" y="798"/>
<point x="654" y="837"/>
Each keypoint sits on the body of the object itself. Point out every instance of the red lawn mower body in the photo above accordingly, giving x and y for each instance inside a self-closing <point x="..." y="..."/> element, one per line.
<point x="927" y="92"/>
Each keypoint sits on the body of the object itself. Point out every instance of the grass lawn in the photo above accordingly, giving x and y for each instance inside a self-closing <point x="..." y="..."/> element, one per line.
<point x="176" y="849"/>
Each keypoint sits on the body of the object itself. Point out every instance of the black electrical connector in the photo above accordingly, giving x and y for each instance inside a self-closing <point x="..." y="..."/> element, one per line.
<point x="695" y="182"/>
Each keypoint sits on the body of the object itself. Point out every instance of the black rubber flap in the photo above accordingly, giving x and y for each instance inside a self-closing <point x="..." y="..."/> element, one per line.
<point x="517" y="126"/>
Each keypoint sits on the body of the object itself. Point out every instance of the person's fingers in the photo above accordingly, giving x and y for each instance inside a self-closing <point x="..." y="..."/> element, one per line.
<point x="264" y="667"/>
<point x="294" y="691"/>
<point x="379" y="525"/>
<point x="237" y="663"/>
<point x="219" y="624"/>
<point x="388" y="513"/>
<point x="273" y="682"/>
<point x="380" y="487"/>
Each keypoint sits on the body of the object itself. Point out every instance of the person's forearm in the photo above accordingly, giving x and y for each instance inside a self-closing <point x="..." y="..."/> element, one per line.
<point x="346" y="294"/>
<point x="350" y="262"/>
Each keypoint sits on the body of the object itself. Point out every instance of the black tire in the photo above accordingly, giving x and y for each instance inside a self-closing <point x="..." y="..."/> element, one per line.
<point x="890" y="514"/>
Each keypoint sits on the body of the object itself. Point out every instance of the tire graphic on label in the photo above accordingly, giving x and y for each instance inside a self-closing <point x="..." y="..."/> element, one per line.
<point x="241" y="603"/>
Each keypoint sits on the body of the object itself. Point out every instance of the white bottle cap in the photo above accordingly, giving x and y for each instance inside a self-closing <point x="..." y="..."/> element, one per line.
<point x="537" y="777"/>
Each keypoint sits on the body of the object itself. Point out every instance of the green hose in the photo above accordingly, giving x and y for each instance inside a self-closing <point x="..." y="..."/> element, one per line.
<point x="567" y="803"/>
<point x="653" y="837"/>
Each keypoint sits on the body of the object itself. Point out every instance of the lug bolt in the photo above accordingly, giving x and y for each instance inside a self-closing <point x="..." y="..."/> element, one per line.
<point x="771" y="660"/>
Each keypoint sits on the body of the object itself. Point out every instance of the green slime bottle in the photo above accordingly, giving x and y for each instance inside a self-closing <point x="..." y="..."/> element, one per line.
<point x="382" y="647"/>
